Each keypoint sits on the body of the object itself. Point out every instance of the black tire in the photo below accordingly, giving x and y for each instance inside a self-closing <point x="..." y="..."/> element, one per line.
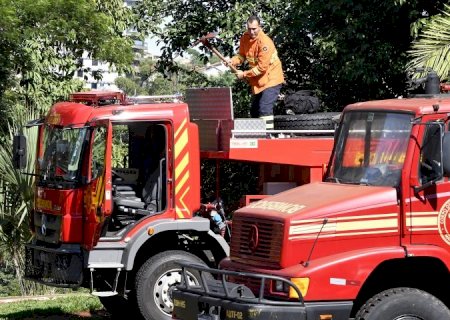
<point x="315" y="121"/>
<point x="157" y="278"/>
<point x="403" y="304"/>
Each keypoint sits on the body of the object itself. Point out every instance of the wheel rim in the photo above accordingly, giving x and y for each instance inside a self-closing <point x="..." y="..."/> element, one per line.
<point x="162" y="292"/>
<point x="409" y="317"/>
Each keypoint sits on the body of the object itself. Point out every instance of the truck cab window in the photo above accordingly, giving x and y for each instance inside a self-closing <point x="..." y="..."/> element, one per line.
<point x="98" y="152"/>
<point x="371" y="148"/>
<point x="120" y="146"/>
<point x="430" y="155"/>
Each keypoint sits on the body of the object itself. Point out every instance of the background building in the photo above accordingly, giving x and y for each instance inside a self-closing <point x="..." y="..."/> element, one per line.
<point x="108" y="73"/>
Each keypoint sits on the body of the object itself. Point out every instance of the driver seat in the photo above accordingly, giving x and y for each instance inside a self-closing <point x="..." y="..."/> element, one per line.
<point x="152" y="200"/>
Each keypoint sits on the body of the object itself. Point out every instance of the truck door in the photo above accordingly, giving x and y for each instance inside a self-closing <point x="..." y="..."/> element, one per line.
<point x="423" y="222"/>
<point x="97" y="197"/>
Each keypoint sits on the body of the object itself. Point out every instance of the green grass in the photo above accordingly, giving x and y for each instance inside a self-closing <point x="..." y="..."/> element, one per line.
<point x="68" y="307"/>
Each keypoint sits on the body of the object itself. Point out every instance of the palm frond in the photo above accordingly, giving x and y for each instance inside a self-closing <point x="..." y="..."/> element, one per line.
<point x="432" y="48"/>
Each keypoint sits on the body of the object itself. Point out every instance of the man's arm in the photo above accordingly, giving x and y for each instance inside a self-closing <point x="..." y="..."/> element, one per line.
<point x="240" y="57"/>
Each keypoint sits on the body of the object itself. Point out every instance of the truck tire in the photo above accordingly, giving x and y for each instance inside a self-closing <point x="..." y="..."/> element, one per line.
<point x="403" y="304"/>
<point x="156" y="279"/>
<point x="314" y="121"/>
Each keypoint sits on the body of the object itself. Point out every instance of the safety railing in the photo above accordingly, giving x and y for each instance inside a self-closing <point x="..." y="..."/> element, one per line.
<point x="220" y="288"/>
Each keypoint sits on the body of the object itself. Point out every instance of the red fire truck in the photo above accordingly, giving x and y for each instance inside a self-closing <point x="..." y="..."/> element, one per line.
<point x="117" y="191"/>
<point x="372" y="241"/>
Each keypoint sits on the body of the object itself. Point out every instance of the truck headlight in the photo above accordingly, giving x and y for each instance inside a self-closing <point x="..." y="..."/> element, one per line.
<point x="280" y="287"/>
<point x="283" y="287"/>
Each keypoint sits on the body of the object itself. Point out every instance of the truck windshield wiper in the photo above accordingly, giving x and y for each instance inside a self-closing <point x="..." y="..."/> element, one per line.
<point x="365" y="182"/>
<point x="334" y="179"/>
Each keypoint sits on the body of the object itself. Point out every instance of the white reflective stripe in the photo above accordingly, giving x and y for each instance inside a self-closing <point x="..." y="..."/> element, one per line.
<point x="268" y="120"/>
<point x="256" y="71"/>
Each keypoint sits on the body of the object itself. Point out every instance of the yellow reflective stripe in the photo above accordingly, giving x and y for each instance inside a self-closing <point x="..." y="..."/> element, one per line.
<point x="182" y="165"/>
<point x="181" y="182"/>
<point x="181" y="143"/>
<point x="185" y="208"/>
<point x="183" y="123"/>
<point x="252" y="60"/>
<point x="256" y="71"/>
<point x="274" y="57"/>
<point x="179" y="213"/>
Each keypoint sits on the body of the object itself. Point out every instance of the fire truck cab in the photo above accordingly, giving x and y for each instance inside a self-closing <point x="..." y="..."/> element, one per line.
<point x="372" y="241"/>
<point x="117" y="191"/>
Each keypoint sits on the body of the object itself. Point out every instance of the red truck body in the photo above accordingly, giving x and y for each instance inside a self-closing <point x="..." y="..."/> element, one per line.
<point x="92" y="222"/>
<point x="370" y="242"/>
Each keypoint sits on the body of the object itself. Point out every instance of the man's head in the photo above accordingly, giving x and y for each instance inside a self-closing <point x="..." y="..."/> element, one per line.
<point x="253" y="26"/>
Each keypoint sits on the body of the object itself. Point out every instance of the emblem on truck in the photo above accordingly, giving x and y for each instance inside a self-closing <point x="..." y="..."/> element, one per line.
<point x="443" y="222"/>
<point x="43" y="225"/>
<point x="253" y="238"/>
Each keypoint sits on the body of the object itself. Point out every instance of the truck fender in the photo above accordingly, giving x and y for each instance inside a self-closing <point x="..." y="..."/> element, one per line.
<point x="221" y="241"/>
<point x="430" y="251"/>
<point x="343" y="275"/>
<point x="142" y="236"/>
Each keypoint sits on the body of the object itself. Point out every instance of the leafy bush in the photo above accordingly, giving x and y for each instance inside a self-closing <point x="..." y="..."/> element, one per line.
<point x="9" y="285"/>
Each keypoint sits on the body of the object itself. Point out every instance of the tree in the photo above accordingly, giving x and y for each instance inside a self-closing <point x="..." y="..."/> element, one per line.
<point x="43" y="42"/>
<point x="16" y="200"/>
<point x="148" y="80"/>
<point x="431" y="50"/>
<point x="345" y="51"/>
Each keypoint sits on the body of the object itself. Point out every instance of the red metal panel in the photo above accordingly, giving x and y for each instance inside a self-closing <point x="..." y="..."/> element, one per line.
<point x="311" y="152"/>
<point x="210" y="103"/>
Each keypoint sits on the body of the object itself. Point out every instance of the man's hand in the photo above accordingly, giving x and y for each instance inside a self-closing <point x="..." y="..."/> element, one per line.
<point x="240" y="74"/>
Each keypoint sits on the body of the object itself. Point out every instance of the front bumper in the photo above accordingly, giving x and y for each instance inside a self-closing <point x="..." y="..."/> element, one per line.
<point x="58" y="267"/>
<point x="222" y="300"/>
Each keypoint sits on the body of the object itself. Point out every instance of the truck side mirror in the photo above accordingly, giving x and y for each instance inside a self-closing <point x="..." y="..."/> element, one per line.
<point x="19" y="151"/>
<point x="446" y="153"/>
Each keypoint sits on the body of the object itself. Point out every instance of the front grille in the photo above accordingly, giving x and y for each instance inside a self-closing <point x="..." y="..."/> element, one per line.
<point x="267" y="253"/>
<point x="47" y="227"/>
<point x="253" y="284"/>
<point x="59" y="267"/>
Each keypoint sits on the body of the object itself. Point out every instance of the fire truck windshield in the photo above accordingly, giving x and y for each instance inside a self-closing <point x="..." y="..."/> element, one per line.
<point x="371" y="148"/>
<point x="61" y="154"/>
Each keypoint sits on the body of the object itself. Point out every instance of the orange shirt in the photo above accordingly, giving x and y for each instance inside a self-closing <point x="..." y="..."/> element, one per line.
<point x="265" y="67"/>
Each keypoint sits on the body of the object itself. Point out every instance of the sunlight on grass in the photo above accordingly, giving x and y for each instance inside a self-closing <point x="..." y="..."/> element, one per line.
<point x="65" y="306"/>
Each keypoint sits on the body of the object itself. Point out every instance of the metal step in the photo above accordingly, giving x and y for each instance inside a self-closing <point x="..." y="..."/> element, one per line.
<point x="104" y="293"/>
<point x="113" y="291"/>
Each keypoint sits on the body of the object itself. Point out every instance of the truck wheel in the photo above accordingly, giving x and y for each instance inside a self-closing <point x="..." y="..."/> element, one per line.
<point x="156" y="280"/>
<point x="314" y="121"/>
<point x="403" y="304"/>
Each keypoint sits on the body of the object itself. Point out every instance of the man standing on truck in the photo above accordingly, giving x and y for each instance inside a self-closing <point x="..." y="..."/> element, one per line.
<point x="265" y="75"/>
